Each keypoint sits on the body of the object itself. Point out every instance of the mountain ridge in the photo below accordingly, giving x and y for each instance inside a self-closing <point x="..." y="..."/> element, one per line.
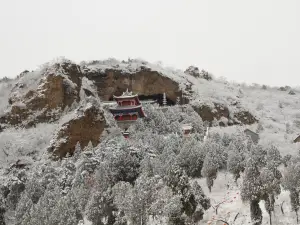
<point x="46" y="113"/>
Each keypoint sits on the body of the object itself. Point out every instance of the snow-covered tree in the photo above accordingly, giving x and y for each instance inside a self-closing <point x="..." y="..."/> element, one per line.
<point x="291" y="182"/>
<point x="226" y="140"/>
<point x="135" y="201"/>
<point x="23" y="210"/>
<point x="261" y="180"/>
<point x="17" y="186"/>
<point x="89" y="147"/>
<point x="271" y="187"/>
<point x="203" y="202"/>
<point x="210" y="167"/>
<point x="77" y="151"/>
<point x="123" y="165"/>
<point x="82" y="192"/>
<point x="216" y="137"/>
<point x="286" y="159"/>
<point x="191" y="158"/>
<point x="235" y="162"/>
<point x="174" y="127"/>
<point x="41" y="212"/>
<point x="100" y="207"/>
<point x="66" y="211"/>
<point x="259" y="155"/>
<point x="206" y="75"/>
<point x="252" y="189"/>
<point x="271" y="179"/>
<point x="214" y="160"/>
<point x="193" y="201"/>
<point x="2" y="212"/>
<point x="193" y="71"/>
<point x="168" y="121"/>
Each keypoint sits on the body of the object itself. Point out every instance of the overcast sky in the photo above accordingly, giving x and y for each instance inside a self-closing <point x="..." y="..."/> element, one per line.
<point x="246" y="41"/>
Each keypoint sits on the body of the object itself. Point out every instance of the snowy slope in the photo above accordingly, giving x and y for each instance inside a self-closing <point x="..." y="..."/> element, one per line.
<point x="225" y="190"/>
<point x="274" y="109"/>
<point x="24" y="144"/>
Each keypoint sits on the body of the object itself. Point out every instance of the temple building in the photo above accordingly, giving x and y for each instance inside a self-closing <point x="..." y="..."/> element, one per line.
<point x="187" y="129"/>
<point x="128" y="110"/>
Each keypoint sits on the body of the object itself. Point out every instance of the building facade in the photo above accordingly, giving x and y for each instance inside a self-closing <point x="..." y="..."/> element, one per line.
<point x="127" y="111"/>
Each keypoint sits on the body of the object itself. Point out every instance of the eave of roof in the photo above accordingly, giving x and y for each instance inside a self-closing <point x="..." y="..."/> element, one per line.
<point x="131" y="109"/>
<point x="125" y="96"/>
<point x="127" y="107"/>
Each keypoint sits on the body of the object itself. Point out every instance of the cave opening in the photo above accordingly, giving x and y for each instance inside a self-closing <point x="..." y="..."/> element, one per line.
<point x="158" y="98"/>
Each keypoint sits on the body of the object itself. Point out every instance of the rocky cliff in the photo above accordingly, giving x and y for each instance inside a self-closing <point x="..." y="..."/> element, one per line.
<point x="63" y="87"/>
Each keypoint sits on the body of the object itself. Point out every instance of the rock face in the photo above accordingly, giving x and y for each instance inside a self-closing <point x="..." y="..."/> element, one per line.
<point x="144" y="82"/>
<point x="219" y="112"/>
<point x="291" y="92"/>
<point x="87" y="126"/>
<point x="195" y="72"/>
<point x="57" y="89"/>
<point x="60" y="86"/>
<point x="245" y="117"/>
<point x="208" y="114"/>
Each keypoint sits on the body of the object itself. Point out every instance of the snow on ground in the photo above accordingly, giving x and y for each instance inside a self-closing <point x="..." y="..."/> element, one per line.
<point x="24" y="144"/>
<point x="225" y="190"/>
<point x="274" y="109"/>
<point x="5" y="88"/>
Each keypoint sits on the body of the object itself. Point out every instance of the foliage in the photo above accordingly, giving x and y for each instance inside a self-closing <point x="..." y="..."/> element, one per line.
<point x="149" y="176"/>
<point x="291" y="182"/>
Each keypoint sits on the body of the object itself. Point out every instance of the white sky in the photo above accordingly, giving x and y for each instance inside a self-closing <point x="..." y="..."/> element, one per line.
<point x="246" y="41"/>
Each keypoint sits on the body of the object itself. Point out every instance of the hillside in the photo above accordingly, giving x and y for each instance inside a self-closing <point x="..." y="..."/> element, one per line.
<point x="49" y="115"/>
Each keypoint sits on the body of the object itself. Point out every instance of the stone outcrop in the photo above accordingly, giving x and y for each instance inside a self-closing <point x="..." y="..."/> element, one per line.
<point x="57" y="89"/>
<point x="62" y="84"/>
<point x="209" y="114"/>
<point x="86" y="126"/>
<point x="144" y="82"/>
<point x="245" y="117"/>
<point x="291" y="92"/>
<point x="60" y="87"/>
<point x="195" y="72"/>
<point x="219" y="112"/>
